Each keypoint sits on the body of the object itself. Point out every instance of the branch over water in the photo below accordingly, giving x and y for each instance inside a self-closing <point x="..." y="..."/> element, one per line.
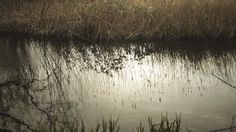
<point x="224" y="81"/>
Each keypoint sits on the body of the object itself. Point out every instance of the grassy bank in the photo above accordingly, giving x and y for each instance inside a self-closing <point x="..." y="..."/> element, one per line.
<point x="120" y="19"/>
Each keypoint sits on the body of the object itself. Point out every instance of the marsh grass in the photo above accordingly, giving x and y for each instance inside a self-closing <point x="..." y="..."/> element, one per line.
<point x="165" y="125"/>
<point x="112" y="125"/>
<point x="120" y="19"/>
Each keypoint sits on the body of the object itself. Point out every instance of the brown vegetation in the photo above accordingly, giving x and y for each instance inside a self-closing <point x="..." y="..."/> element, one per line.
<point x="120" y="19"/>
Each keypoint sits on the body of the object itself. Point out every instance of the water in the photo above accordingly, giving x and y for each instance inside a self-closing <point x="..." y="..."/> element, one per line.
<point x="69" y="81"/>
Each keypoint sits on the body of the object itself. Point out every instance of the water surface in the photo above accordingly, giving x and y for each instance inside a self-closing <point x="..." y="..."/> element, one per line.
<point x="70" y="80"/>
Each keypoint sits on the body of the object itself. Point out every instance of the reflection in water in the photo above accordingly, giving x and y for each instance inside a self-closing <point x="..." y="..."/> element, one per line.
<point x="52" y="85"/>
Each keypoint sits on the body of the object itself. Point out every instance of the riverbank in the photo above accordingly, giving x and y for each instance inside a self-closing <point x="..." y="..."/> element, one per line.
<point x="120" y="19"/>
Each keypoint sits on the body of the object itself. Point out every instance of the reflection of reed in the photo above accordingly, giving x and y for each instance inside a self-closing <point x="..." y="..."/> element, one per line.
<point x="79" y="72"/>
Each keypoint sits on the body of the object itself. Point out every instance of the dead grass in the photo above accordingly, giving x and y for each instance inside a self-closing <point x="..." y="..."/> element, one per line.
<point x="120" y="19"/>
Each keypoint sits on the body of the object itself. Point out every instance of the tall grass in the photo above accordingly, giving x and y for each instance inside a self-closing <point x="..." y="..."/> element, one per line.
<point x="120" y="19"/>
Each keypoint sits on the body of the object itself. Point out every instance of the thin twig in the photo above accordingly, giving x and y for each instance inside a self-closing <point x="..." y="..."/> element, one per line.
<point x="232" y="123"/>
<point x="224" y="81"/>
<point x="223" y="129"/>
<point x="229" y="128"/>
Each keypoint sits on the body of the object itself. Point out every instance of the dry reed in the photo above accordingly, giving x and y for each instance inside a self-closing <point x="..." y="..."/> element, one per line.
<point x="120" y="19"/>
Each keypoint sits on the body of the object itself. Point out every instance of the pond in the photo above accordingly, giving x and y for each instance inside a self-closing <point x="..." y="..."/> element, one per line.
<point x="42" y="81"/>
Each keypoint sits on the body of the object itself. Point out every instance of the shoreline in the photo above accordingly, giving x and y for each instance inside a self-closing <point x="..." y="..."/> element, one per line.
<point x="20" y="35"/>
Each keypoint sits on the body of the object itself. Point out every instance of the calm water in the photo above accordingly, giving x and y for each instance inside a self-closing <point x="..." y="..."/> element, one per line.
<point x="69" y="81"/>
